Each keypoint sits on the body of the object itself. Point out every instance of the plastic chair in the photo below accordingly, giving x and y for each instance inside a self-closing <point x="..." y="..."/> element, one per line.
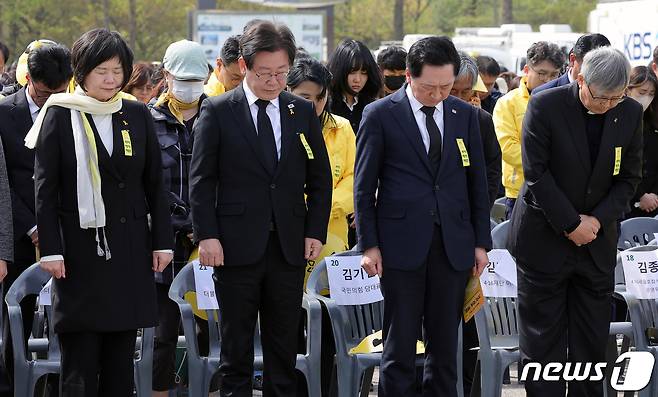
<point x="201" y="369"/>
<point x="498" y="210"/>
<point x="500" y="234"/>
<point x="350" y="325"/>
<point x="144" y="363"/>
<point x="637" y="232"/>
<point x="492" y="223"/>
<point x="27" y="371"/>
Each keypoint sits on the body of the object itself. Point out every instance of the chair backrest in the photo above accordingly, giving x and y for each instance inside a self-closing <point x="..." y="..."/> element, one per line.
<point x="492" y="223"/>
<point x="500" y="234"/>
<point x="182" y="284"/>
<point x="497" y="319"/>
<point x="648" y="307"/>
<point x="29" y="282"/>
<point x="636" y="232"/>
<point x="498" y="210"/>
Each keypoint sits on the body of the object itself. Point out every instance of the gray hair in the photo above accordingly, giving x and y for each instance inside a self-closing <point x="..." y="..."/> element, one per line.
<point x="468" y="68"/>
<point x="607" y="69"/>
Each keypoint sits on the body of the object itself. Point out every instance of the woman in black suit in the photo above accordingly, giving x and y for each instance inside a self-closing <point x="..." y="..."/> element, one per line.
<point x="97" y="178"/>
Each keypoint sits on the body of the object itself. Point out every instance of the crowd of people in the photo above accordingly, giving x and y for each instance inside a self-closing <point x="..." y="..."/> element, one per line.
<point x="113" y="172"/>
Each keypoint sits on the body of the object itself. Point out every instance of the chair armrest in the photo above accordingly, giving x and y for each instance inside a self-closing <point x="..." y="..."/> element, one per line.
<point x="633" y="304"/>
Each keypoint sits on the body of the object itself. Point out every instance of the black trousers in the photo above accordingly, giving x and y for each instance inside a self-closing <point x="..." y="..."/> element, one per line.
<point x="272" y="288"/>
<point x="97" y="364"/>
<point x="564" y="316"/>
<point x="431" y="296"/>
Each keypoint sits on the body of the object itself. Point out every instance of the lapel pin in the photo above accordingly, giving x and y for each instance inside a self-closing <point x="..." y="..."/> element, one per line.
<point x="454" y="111"/>
<point x="291" y="108"/>
<point x="124" y="122"/>
<point x="615" y="120"/>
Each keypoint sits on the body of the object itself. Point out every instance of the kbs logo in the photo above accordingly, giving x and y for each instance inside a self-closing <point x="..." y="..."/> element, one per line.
<point x="631" y="372"/>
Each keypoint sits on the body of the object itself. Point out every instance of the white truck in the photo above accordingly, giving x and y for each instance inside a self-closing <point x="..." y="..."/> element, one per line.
<point x="631" y="27"/>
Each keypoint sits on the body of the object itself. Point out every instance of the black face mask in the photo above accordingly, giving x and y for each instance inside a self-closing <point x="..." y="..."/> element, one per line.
<point x="394" y="83"/>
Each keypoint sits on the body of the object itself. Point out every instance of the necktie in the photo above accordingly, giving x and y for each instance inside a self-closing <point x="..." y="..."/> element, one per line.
<point x="434" y="152"/>
<point x="266" y="136"/>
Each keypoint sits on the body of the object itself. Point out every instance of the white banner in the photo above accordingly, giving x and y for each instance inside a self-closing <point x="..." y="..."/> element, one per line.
<point x="498" y="279"/>
<point x="641" y="273"/>
<point x="206" y="298"/>
<point x="349" y="284"/>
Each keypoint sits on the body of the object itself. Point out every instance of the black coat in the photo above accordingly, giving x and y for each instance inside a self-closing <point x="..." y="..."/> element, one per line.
<point x="561" y="183"/>
<point x="492" y="154"/>
<point x="99" y="295"/>
<point x="15" y="122"/>
<point x="232" y="194"/>
<point x="649" y="182"/>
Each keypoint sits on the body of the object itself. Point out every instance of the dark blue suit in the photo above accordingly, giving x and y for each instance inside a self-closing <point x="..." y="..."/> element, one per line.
<point x="426" y="265"/>
<point x="559" y="82"/>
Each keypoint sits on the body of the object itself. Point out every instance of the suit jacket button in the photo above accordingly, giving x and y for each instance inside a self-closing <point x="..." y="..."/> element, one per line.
<point x="432" y="212"/>
<point x="122" y="185"/>
<point x="589" y="191"/>
<point x="122" y="219"/>
<point x="436" y="188"/>
<point x="273" y="186"/>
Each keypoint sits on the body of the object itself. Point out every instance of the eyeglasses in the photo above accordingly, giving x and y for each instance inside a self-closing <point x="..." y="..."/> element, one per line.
<point x="45" y="94"/>
<point x="605" y="100"/>
<point x="280" y="76"/>
<point x="544" y="75"/>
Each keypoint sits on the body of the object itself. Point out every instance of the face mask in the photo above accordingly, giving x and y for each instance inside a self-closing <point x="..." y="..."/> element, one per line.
<point x="645" y="101"/>
<point x="394" y="83"/>
<point x="187" y="91"/>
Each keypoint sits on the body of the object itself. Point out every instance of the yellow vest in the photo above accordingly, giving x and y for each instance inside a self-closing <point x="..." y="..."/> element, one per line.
<point x="214" y="87"/>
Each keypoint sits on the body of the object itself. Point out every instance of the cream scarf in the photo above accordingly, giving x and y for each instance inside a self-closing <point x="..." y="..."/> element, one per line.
<point x="90" y="201"/>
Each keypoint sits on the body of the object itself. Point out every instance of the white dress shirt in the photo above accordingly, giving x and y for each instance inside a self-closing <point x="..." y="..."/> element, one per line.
<point x="272" y="112"/>
<point x="34" y="109"/>
<point x="351" y="107"/>
<point x="420" y="118"/>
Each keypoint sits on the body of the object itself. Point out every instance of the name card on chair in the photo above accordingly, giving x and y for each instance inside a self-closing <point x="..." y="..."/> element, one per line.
<point x="349" y="284"/>
<point x="499" y="276"/>
<point x="206" y="298"/>
<point x="45" y="294"/>
<point x="641" y="273"/>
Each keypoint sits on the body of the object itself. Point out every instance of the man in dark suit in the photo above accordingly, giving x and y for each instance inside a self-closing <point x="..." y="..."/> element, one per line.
<point x="582" y="158"/>
<point x="258" y="150"/>
<point x="584" y="44"/>
<point x="49" y="68"/>
<point x="420" y="194"/>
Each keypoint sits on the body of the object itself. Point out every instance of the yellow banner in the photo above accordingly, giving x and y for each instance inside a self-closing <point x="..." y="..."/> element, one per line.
<point x="464" y="153"/>
<point x="473" y="298"/>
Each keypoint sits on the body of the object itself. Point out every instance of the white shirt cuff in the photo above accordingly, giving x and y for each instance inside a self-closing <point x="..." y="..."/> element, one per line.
<point x="165" y="251"/>
<point x="51" y="258"/>
<point x="29" y="233"/>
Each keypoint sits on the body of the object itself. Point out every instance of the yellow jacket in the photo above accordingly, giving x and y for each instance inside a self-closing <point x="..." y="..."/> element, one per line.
<point x="508" y="120"/>
<point x="341" y="147"/>
<point x="214" y="87"/>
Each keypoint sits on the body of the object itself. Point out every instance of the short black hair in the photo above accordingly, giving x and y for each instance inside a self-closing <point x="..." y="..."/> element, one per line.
<point x="587" y="43"/>
<point x="392" y="58"/>
<point x="487" y="65"/>
<point x="310" y="69"/>
<point x="97" y="46"/>
<point x="655" y="55"/>
<point x="544" y="51"/>
<point x="349" y="56"/>
<point x="435" y="51"/>
<point x="50" y="65"/>
<point x="5" y="52"/>
<point x="266" y="36"/>
<point x="230" y="51"/>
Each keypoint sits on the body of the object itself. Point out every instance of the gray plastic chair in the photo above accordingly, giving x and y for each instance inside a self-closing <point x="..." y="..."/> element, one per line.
<point x="492" y="223"/>
<point x="498" y="210"/>
<point x="201" y="369"/>
<point x="637" y="232"/>
<point x="144" y="363"/>
<point x="27" y="370"/>
<point x="350" y="325"/>
<point x="500" y="234"/>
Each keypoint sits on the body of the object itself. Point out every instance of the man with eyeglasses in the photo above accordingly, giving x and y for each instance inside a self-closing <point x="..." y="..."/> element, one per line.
<point x="48" y="72"/>
<point x="544" y="63"/>
<point x="258" y="153"/>
<point x="582" y="158"/>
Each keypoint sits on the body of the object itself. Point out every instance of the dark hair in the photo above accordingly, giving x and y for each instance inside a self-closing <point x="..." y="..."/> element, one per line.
<point x="251" y="23"/>
<point x="488" y="66"/>
<point x="392" y="58"/>
<point x="309" y="69"/>
<point x="350" y="56"/>
<point x="655" y="55"/>
<point x="5" y="52"/>
<point x="97" y="46"/>
<point x="639" y="76"/>
<point x="266" y="36"/>
<point x="544" y="51"/>
<point x="230" y="50"/>
<point x="301" y="53"/>
<point x="435" y="51"/>
<point x="587" y="43"/>
<point x="141" y="76"/>
<point x="50" y="65"/>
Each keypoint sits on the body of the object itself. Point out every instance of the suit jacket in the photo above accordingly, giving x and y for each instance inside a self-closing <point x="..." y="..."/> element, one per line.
<point x="559" y="82"/>
<point x="649" y="182"/>
<point x="99" y="295"/>
<point x="492" y="154"/>
<point x="397" y="196"/>
<point x="15" y="122"/>
<point x="6" y="238"/>
<point x="561" y="182"/>
<point x="234" y="197"/>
